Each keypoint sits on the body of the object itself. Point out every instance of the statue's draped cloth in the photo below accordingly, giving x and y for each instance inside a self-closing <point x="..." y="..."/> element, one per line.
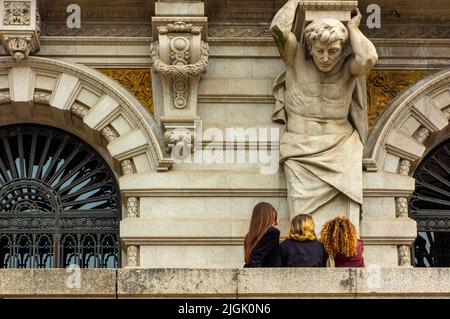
<point x="319" y="167"/>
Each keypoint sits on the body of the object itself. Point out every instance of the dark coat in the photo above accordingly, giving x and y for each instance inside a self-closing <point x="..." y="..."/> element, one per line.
<point x="308" y="253"/>
<point x="267" y="251"/>
<point x="351" y="262"/>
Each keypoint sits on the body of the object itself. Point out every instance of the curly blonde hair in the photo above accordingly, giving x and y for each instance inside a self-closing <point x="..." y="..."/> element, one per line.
<point x="339" y="237"/>
<point x="302" y="228"/>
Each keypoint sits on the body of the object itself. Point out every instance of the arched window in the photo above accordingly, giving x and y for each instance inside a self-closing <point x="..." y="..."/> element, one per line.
<point x="430" y="207"/>
<point x="59" y="201"/>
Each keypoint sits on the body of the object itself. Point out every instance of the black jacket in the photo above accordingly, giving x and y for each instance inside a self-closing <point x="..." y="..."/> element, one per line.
<point x="308" y="253"/>
<point x="267" y="251"/>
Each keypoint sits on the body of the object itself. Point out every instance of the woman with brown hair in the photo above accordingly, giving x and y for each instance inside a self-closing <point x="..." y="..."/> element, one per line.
<point x="301" y="247"/>
<point x="341" y="241"/>
<point x="262" y="242"/>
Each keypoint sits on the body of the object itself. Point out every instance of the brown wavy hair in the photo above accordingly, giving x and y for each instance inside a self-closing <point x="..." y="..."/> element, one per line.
<point x="339" y="237"/>
<point x="264" y="216"/>
<point x="302" y="228"/>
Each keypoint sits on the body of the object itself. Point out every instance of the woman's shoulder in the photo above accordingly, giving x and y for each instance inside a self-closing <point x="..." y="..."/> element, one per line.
<point x="273" y="231"/>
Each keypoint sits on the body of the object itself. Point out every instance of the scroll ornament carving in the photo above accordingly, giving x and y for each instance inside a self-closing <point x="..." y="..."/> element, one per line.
<point x="178" y="71"/>
<point x="179" y="27"/>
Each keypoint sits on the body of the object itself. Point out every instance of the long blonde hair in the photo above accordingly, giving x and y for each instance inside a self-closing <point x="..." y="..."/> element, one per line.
<point x="339" y="237"/>
<point x="302" y="228"/>
<point x="264" y="216"/>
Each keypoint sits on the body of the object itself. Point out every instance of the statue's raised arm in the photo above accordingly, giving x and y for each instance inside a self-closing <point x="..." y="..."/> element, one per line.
<point x="365" y="54"/>
<point x="281" y="29"/>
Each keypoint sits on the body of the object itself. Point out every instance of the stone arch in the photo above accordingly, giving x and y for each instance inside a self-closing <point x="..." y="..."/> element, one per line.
<point x="132" y="135"/>
<point x="401" y="137"/>
<point x="406" y="131"/>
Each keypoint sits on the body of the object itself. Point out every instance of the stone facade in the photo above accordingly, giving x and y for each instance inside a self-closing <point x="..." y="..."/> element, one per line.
<point x="195" y="215"/>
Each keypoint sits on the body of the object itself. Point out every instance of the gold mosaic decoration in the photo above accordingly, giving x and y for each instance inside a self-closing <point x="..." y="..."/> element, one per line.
<point x="384" y="85"/>
<point x="137" y="81"/>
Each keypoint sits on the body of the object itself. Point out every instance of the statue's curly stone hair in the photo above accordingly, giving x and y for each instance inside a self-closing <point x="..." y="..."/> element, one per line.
<point x="326" y="31"/>
<point x="339" y="237"/>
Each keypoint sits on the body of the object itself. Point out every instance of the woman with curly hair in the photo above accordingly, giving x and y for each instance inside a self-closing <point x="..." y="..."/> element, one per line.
<point x="301" y="247"/>
<point x="262" y="242"/>
<point x="341" y="241"/>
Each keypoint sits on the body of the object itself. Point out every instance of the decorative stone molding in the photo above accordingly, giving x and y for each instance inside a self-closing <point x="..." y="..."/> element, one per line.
<point x="402" y="207"/>
<point x="5" y="97"/>
<point x="127" y="167"/>
<point x="132" y="256"/>
<point x="181" y="139"/>
<point x="404" y="256"/>
<point x="79" y="110"/>
<point x="132" y="207"/>
<point x="405" y="166"/>
<point x="20" y="27"/>
<point x="109" y="133"/>
<point x="179" y="55"/>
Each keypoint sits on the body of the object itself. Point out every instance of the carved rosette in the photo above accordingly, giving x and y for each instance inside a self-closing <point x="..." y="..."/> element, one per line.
<point x="20" y="27"/>
<point x="132" y="256"/>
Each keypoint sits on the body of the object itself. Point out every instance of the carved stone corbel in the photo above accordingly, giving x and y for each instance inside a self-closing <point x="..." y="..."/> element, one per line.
<point x="20" y="27"/>
<point x="180" y="57"/>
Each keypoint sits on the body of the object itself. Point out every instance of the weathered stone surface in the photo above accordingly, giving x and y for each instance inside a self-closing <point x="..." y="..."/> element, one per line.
<point x="401" y="282"/>
<point x="297" y="282"/>
<point x="370" y="282"/>
<point x="177" y="282"/>
<point x="57" y="283"/>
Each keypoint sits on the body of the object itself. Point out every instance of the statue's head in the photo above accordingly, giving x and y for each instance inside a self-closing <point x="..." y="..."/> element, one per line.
<point x="325" y="39"/>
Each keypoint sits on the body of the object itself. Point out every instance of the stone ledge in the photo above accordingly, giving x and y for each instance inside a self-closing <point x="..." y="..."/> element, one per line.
<point x="57" y="283"/>
<point x="371" y="282"/>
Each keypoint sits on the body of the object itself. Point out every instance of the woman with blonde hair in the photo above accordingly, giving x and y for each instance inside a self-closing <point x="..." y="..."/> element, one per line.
<point x="301" y="247"/>
<point x="262" y="242"/>
<point x="341" y="241"/>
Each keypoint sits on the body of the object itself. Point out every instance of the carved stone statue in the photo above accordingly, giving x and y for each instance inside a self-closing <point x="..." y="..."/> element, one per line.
<point x="320" y="98"/>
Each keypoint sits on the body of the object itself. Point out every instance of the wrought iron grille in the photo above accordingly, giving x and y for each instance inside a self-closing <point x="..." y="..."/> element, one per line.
<point x="59" y="201"/>
<point x="430" y="207"/>
<point x="430" y="202"/>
